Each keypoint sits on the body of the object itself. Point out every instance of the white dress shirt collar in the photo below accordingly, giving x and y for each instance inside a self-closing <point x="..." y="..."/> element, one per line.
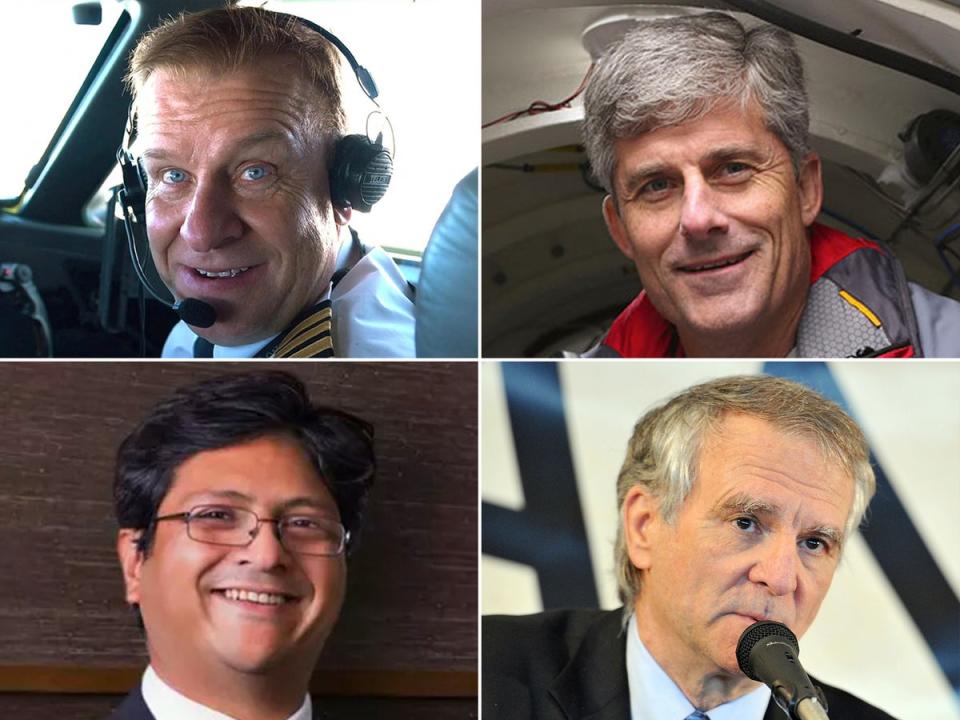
<point x="654" y="696"/>
<point x="165" y="703"/>
<point x="373" y="316"/>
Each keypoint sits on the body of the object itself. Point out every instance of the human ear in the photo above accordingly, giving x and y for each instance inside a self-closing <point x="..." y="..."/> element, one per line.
<point x="811" y="188"/>
<point x="641" y="520"/>
<point x="341" y="216"/>
<point x="615" y="226"/>
<point x="131" y="561"/>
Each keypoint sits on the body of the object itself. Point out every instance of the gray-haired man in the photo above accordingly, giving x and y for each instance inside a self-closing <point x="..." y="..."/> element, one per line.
<point x="698" y="130"/>
<point x="736" y="499"/>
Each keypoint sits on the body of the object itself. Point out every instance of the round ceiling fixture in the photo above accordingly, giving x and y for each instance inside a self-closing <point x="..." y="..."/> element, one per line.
<point x="604" y="32"/>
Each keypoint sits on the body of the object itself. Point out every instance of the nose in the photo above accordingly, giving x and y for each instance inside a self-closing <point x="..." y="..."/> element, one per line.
<point x="211" y="219"/>
<point x="701" y="216"/>
<point x="265" y="549"/>
<point x="776" y="566"/>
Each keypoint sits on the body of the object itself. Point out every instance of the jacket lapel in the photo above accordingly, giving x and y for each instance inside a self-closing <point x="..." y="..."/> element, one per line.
<point x="593" y="685"/>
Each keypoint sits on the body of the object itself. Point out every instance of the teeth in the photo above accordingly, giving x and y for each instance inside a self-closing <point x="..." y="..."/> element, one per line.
<point x="711" y="266"/>
<point x="254" y="597"/>
<point x="233" y="272"/>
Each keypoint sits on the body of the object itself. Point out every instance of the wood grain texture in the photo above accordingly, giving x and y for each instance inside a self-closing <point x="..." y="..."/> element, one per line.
<point x="331" y="682"/>
<point x="98" y="707"/>
<point x="412" y="589"/>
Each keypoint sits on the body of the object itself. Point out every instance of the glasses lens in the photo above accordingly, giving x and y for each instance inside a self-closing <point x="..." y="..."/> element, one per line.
<point x="312" y="535"/>
<point x="221" y="525"/>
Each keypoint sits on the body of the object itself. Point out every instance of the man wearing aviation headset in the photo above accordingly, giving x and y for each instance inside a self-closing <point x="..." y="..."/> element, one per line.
<point x="237" y="168"/>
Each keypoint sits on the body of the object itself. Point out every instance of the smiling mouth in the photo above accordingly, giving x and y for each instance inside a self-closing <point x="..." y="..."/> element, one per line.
<point x="703" y="267"/>
<point x="258" y="598"/>
<point x="218" y="274"/>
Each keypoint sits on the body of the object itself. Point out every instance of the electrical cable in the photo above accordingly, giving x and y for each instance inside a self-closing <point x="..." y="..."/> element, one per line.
<point x="542" y="106"/>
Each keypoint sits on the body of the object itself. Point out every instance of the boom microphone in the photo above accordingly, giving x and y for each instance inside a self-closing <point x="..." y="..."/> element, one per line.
<point x="768" y="652"/>
<point x="192" y="311"/>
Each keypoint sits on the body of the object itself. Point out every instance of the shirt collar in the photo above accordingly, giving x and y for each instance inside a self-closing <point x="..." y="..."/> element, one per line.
<point x="655" y="696"/>
<point x="165" y="703"/>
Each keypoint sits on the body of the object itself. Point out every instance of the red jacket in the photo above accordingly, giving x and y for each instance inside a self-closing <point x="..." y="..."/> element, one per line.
<point x="859" y="305"/>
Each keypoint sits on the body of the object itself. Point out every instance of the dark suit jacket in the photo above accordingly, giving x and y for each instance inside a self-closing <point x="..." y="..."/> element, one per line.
<point x="571" y="665"/>
<point x="134" y="708"/>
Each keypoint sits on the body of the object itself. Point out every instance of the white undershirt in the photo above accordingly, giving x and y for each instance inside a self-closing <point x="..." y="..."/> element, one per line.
<point x="654" y="696"/>
<point x="167" y="704"/>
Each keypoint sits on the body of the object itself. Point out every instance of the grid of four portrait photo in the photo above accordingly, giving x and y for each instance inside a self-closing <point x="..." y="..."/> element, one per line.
<point x="515" y="360"/>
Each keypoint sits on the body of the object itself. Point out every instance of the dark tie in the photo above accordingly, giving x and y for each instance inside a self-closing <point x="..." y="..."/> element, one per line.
<point x="697" y="715"/>
<point x="202" y="348"/>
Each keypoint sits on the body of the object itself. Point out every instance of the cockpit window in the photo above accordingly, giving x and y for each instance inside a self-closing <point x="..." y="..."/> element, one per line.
<point x="46" y="49"/>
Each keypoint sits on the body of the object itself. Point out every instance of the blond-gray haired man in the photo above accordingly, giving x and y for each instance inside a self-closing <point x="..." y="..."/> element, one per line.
<point x="240" y="138"/>
<point x="736" y="498"/>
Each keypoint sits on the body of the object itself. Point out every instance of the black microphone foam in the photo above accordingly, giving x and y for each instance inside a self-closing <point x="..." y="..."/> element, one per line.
<point x="753" y="635"/>
<point x="769" y="653"/>
<point x="196" y="312"/>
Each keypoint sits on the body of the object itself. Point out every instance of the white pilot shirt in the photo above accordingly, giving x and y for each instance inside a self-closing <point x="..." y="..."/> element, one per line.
<point x="654" y="696"/>
<point x="373" y="315"/>
<point x="167" y="704"/>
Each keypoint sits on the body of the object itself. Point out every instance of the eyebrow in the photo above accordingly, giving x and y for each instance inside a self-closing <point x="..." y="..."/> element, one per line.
<point x="303" y="500"/>
<point x="744" y="503"/>
<point x="263" y="137"/>
<point x="716" y="156"/>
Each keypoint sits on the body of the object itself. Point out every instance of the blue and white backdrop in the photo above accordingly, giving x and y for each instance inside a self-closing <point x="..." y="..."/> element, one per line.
<point x="554" y="435"/>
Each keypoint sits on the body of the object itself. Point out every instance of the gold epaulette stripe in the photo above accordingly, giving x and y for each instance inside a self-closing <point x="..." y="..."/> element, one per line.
<point x="306" y="322"/>
<point x="315" y="348"/>
<point x="292" y="341"/>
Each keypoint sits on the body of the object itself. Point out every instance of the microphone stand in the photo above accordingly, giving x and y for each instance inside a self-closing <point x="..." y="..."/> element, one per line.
<point x="810" y="709"/>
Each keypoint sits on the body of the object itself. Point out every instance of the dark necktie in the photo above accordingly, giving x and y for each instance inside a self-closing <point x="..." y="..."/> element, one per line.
<point x="697" y="715"/>
<point x="202" y="348"/>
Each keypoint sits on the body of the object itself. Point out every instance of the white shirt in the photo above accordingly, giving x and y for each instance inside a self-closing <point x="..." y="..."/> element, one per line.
<point x="165" y="703"/>
<point x="373" y="316"/>
<point x="654" y="696"/>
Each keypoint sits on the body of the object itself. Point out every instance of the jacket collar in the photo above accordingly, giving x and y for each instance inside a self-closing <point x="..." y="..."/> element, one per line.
<point x="593" y="685"/>
<point x="641" y="331"/>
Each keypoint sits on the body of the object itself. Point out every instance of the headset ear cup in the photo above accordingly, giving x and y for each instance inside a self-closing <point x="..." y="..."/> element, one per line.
<point x="360" y="174"/>
<point x="134" y="183"/>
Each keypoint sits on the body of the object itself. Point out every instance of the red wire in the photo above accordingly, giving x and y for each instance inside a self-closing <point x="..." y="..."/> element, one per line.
<point x="542" y="106"/>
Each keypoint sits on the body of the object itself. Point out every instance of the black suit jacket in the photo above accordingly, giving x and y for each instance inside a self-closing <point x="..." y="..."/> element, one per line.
<point x="132" y="708"/>
<point x="571" y="665"/>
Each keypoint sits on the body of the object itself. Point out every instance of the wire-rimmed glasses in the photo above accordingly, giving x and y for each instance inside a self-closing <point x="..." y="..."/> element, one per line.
<point x="304" y="533"/>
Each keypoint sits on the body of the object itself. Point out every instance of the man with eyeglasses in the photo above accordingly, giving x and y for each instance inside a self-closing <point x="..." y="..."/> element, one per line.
<point x="237" y="501"/>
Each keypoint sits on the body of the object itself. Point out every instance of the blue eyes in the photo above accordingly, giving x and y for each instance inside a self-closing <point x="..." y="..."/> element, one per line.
<point x="656" y="186"/>
<point x="174" y="177"/>
<point x="255" y="172"/>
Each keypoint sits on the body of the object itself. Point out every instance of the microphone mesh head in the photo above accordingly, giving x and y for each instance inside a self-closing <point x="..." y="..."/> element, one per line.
<point x="754" y="634"/>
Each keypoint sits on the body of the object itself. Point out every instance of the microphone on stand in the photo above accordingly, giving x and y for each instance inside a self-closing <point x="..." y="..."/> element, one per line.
<point x="768" y="652"/>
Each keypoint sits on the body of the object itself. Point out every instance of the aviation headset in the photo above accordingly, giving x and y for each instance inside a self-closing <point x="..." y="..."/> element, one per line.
<point x="359" y="175"/>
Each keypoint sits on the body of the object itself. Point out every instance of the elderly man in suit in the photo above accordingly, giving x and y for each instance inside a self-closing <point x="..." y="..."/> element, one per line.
<point x="736" y="499"/>
<point x="236" y="501"/>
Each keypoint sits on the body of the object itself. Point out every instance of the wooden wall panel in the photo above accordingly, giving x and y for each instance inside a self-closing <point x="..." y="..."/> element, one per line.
<point x="412" y="592"/>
